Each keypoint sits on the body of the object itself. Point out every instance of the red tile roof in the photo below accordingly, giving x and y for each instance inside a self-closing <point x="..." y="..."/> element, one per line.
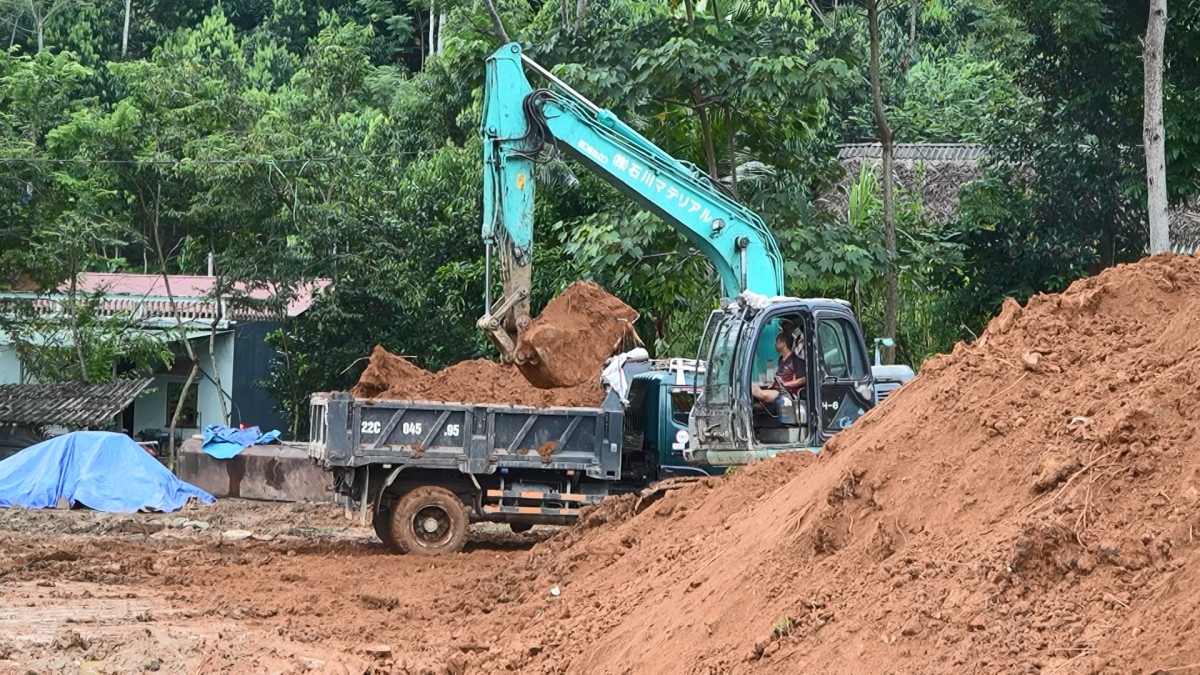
<point x="145" y="295"/>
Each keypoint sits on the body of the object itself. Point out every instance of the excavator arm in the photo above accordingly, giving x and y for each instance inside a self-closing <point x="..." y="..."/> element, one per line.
<point x="519" y="122"/>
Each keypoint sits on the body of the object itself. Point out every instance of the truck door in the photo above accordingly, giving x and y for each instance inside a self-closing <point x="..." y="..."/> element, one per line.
<point x="843" y="376"/>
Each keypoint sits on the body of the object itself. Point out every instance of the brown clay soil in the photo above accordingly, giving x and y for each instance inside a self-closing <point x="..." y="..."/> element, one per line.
<point x="564" y="350"/>
<point x="1030" y="503"/>
<point x="388" y="376"/>
<point x="243" y="587"/>
<point x="567" y="344"/>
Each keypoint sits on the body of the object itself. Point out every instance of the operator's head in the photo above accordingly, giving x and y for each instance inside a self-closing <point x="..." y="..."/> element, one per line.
<point x="783" y="343"/>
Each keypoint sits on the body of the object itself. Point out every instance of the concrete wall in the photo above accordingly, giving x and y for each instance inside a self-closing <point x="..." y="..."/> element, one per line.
<point x="150" y="410"/>
<point x="210" y="395"/>
<point x="10" y="365"/>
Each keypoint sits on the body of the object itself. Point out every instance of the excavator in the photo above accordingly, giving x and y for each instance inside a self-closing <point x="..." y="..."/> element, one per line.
<point x="727" y="425"/>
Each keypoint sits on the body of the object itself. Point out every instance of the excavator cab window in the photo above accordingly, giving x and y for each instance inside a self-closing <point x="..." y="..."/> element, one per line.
<point x="766" y="357"/>
<point x="783" y="420"/>
<point x="719" y="372"/>
<point x="845" y="386"/>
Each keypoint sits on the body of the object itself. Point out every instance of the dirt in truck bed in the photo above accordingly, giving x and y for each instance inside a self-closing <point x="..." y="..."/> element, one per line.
<point x="476" y="382"/>
<point x="570" y="340"/>
<point x="1030" y="503"/>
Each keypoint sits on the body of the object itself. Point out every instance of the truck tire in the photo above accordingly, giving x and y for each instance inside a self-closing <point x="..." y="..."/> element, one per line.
<point x="382" y="522"/>
<point x="520" y="528"/>
<point x="430" y="521"/>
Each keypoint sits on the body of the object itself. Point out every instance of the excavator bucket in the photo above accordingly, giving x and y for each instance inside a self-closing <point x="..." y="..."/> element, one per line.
<point x="567" y="345"/>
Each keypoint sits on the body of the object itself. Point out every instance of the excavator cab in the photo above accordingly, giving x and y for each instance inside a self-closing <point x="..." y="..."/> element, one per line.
<point x="728" y="426"/>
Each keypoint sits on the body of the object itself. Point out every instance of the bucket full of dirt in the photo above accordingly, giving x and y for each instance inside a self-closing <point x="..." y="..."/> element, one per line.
<point x="566" y="346"/>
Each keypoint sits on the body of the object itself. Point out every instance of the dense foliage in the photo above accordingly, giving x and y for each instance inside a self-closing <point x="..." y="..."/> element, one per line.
<point x="301" y="139"/>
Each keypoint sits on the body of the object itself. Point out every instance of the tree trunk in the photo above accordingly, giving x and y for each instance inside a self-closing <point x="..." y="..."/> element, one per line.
<point x="432" y="28"/>
<point x="910" y="49"/>
<point x="731" y="142"/>
<point x="891" y="297"/>
<point x="72" y="303"/>
<point x="706" y="134"/>
<point x="125" y="33"/>
<point x="1153" y="132"/>
<point x="172" y="455"/>
<point x="441" y="35"/>
<point x="212" y="351"/>
<point x="580" y="13"/>
<point x="187" y="344"/>
<point x="566" y="15"/>
<point x="690" y="9"/>
<point x="12" y="38"/>
<point x="497" y="24"/>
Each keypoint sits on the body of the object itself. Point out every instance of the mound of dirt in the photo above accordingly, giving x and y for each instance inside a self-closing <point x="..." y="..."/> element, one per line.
<point x="568" y="343"/>
<point x="476" y="382"/>
<point x="1030" y="503"/>
<point x="387" y="372"/>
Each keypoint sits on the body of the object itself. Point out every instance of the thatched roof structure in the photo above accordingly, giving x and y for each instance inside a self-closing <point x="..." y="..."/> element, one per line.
<point x="936" y="170"/>
<point x="933" y="170"/>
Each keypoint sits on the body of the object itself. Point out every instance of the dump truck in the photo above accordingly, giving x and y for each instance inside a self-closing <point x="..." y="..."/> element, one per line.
<point x="426" y="469"/>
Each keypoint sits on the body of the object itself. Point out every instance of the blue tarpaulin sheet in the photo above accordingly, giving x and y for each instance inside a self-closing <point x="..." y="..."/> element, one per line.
<point x="99" y="469"/>
<point x="224" y="442"/>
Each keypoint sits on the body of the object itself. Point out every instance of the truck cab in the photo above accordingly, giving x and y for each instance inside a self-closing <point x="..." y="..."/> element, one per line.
<point x="728" y="426"/>
<point x="656" y="423"/>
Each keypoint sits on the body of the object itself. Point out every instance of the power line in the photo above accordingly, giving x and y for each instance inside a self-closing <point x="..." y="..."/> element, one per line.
<point x="176" y="162"/>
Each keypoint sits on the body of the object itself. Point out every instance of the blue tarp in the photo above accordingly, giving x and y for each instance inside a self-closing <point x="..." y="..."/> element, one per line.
<point x="99" y="469"/>
<point x="224" y="442"/>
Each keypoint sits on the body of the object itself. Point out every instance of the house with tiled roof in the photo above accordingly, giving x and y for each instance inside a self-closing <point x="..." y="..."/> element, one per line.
<point x="937" y="170"/>
<point x="238" y="357"/>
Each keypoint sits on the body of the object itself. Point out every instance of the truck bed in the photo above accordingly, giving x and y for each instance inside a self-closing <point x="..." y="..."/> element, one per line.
<point x="472" y="439"/>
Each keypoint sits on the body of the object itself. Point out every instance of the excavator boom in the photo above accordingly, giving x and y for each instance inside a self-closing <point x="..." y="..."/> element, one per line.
<point x="519" y="123"/>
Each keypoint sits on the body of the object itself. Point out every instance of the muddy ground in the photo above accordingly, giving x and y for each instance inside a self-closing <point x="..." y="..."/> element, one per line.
<point x="1030" y="503"/>
<point x="239" y="586"/>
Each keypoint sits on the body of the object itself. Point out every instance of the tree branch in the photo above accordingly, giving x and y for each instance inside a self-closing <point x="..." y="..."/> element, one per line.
<point x="162" y="260"/>
<point x="497" y="24"/>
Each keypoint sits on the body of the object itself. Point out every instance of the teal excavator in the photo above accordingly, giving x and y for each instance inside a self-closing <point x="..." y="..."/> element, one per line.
<point x="726" y="426"/>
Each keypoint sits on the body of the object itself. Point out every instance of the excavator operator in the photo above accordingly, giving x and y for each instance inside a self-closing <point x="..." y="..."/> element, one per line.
<point x="790" y="371"/>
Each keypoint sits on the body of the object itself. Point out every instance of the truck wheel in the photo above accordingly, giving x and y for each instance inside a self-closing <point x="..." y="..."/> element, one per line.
<point x="519" y="528"/>
<point x="382" y="522"/>
<point x="430" y="521"/>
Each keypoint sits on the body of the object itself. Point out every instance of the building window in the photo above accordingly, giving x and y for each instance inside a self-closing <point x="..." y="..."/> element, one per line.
<point x="190" y="417"/>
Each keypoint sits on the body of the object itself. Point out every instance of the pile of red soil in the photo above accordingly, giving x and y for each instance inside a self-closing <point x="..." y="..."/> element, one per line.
<point x="1030" y="503"/>
<point x="475" y="382"/>
<point x="568" y="343"/>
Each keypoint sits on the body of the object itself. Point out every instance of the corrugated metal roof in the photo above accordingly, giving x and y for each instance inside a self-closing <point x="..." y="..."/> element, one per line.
<point x="188" y="290"/>
<point x="69" y="404"/>
<point x="143" y="297"/>
<point x="928" y="152"/>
